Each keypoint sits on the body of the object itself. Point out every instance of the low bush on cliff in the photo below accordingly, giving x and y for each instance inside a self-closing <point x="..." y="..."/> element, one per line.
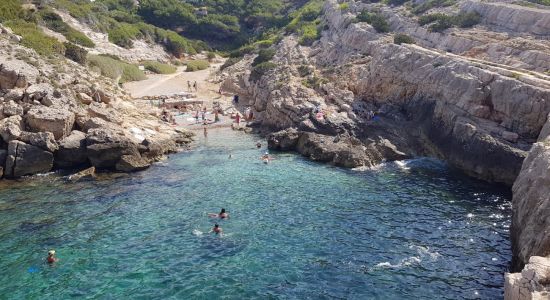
<point x="10" y="9"/>
<point x="115" y="69"/>
<point x="54" y="22"/>
<point x="229" y="62"/>
<point x="158" y="67"/>
<point x="76" y="53"/>
<point x="197" y="65"/>
<point x="305" y="22"/>
<point x="441" y="22"/>
<point x="375" y="19"/>
<point x="264" y="55"/>
<point x="427" y="5"/>
<point x="260" y="70"/>
<point x="400" y="38"/>
<point x="396" y="2"/>
<point x="35" y="38"/>
<point x="542" y="2"/>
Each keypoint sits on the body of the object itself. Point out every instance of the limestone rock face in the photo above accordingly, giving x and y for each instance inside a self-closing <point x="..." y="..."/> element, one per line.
<point x="533" y="283"/>
<point x="44" y="140"/>
<point x="16" y="74"/>
<point x="72" y="151"/>
<point x="284" y="140"/>
<point x="24" y="159"/>
<point x="530" y="231"/>
<point x="105" y="147"/>
<point x="511" y="17"/>
<point x="12" y="109"/>
<point x="11" y="128"/>
<point x="57" y="121"/>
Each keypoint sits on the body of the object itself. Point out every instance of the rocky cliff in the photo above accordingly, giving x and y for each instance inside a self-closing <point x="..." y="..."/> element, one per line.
<point x="467" y="96"/>
<point x="56" y="114"/>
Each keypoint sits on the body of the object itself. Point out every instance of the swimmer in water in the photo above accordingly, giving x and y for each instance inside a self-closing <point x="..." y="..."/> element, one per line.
<point x="217" y="230"/>
<point x="259" y="145"/>
<point x="51" y="257"/>
<point x="221" y="215"/>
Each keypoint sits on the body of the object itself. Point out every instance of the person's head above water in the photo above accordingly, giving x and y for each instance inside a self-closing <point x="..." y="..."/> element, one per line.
<point x="216" y="225"/>
<point x="223" y="211"/>
<point x="51" y="253"/>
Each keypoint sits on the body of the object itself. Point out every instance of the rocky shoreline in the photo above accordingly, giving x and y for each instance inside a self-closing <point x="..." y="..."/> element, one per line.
<point x="58" y="115"/>
<point x="479" y="116"/>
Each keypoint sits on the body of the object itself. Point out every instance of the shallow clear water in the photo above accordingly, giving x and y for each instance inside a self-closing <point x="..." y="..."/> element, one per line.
<point x="298" y="230"/>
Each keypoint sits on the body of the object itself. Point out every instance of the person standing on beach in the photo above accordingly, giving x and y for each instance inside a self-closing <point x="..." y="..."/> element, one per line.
<point x="188" y="85"/>
<point x="238" y="119"/>
<point x="216" y="116"/>
<point x="197" y="117"/>
<point x="196" y="86"/>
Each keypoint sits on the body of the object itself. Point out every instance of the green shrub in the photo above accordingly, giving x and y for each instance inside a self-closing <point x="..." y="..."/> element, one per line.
<point x="427" y="5"/>
<point x="309" y="34"/>
<point x="34" y="38"/>
<point x="542" y="2"/>
<point x="197" y="65"/>
<point x="124" y="35"/>
<point x="230" y="61"/>
<point x="210" y="56"/>
<point x="314" y="82"/>
<point x="344" y="6"/>
<point x="76" y="53"/>
<point x="158" y="67"/>
<point x="242" y="51"/>
<point x="465" y="20"/>
<point x="304" y="70"/>
<point x="442" y="22"/>
<point x="264" y="55"/>
<point x="375" y="19"/>
<point x="115" y="69"/>
<point x="54" y="22"/>
<point x="400" y="38"/>
<point x="259" y="70"/>
<point x="396" y="2"/>
<point x="10" y="10"/>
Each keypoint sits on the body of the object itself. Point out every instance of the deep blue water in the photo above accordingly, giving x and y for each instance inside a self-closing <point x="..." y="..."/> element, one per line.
<point x="298" y="230"/>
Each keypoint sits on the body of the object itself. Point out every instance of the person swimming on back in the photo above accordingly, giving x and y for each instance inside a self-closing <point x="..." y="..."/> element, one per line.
<point x="221" y="215"/>
<point x="51" y="257"/>
<point x="217" y="230"/>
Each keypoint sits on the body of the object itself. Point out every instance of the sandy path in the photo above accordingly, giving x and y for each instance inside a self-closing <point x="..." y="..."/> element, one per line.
<point x="157" y="85"/>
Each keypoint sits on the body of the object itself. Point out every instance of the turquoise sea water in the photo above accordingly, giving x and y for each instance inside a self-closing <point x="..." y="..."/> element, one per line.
<point x="298" y="230"/>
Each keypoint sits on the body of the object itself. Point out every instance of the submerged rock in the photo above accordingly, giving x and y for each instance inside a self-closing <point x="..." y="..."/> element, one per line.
<point x="85" y="174"/>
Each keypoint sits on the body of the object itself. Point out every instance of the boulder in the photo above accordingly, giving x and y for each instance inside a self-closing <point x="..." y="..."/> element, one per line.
<point x="15" y="95"/>
<point x="283" y="140"/>
<point x="24" y="159"/>
<point x="510" y="136"/>
<point x="101" y="111"/>
<point x="72" y="151"/>
<point x="12" y="109"/>
<point x="84" y="98"/>
<point x="16" y="74"/>
<point x="11" y="128"/>
<point x="85" y="174"/>
<point x="131" y="163"/>
<point x="55" y="120"/>
<point x="44" y="140"/>
<point x="105" y="147"/>
<point x="93" y="123"/>
<point x="40" y="92"/>
<point x="533" y="283"/>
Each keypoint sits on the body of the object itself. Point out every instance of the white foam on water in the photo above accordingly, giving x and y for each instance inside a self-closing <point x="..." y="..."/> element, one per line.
<point x="409" y="261"/>
<point x="425" y="252"/>
<point x="197" y="232"/>
<point x="403" y="164"/>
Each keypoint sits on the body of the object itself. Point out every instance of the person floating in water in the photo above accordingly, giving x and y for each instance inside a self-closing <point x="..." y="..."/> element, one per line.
<point x="222" y="214"/>
<point x="266" y="158"/>
<point x="51" y="257"/>
<point x="217" y="230"/>
<point x="258" y="145"/>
